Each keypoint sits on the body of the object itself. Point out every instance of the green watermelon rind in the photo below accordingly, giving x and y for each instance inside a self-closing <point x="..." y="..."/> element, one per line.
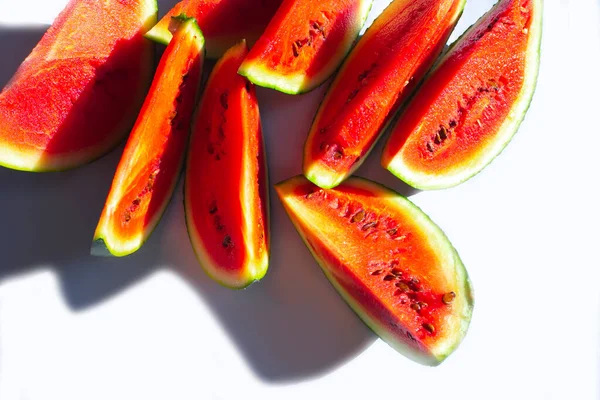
<point x="15" y="158"/>
<point x="440" y="353"/>
<point x="104" y="244"/>
<point x="300" y="84"/>
<point x="506" y="132"/>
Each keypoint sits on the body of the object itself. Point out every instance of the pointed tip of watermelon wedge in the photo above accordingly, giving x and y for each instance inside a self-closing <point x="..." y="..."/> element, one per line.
<point x="159" y="35"/>
<point x="263" y="77"/>
<point x="105" y="245"/>
<point x="322" y="176"/>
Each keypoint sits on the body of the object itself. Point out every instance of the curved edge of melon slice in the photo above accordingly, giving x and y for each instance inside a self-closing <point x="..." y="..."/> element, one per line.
<point x="254" y="269"/>
<point x="429" y="357"/>
<point x="106" y="241"/>
<point x="300" y="83"/>
<point x="17" y="159"/>
<point x="506" y="132"/>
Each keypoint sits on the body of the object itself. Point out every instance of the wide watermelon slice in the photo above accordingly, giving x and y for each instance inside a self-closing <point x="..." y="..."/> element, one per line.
<point x="153" y="157"/>
<point x="77" y="94"/>
<point x="388" y="260"/>
<point x="471" y="106"/>
<point x="379" y="74"/>
<point x="304" y="43"/>
<point x="226" y="195"/>
<point x="223" y="22"/>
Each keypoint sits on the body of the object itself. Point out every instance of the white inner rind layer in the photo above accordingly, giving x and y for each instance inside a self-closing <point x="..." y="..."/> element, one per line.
<point x="468" y="169"/>
<point x="299" y="83"/>
<point x="317" y="235"/>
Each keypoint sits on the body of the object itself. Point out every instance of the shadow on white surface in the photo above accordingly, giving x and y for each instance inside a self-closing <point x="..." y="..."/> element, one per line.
<point x="289" y="327"/>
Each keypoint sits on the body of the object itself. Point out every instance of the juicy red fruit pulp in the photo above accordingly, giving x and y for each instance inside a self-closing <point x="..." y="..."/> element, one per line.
<point x="386" y="260"/>
<point x="475" y="90"/>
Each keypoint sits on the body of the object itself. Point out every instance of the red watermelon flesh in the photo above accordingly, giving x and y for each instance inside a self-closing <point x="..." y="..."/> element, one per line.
<point x="78" y="92"/>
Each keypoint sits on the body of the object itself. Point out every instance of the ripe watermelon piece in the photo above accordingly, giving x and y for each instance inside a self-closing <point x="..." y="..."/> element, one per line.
<point x="153" y="157"/>
<point x="394" y="267"/>
<point x="471" y="106"/>
<point x="77" y="94"/>
<point x="304" y="43"/>
<point x="223" y="22"/>
<point x="379" y="74"/>
<point x="226" y="195"/>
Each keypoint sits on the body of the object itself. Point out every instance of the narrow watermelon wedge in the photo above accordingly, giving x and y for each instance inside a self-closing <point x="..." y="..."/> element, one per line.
<point x="153" y="157"/>
<point x="394" y="267"/>
<point x="380" y="73"/>
<point x="304" y="43"/>
<point x="77" y="94"/>
<point x="223" y="22"/>
<point x="226" y="197"/>
<point x="470" y="107"/>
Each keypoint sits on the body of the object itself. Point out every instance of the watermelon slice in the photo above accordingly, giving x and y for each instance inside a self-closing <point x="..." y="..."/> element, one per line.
<point x="223" y="22"/>
<point x="304" y="43"/>
<point x="379" y="74"/>
<point x="77" y="94"/>
<point x="388" y="260"/>
<point x="153" y="157"/>
<point x="226" y="198"/>
<point x="471" y="106"/>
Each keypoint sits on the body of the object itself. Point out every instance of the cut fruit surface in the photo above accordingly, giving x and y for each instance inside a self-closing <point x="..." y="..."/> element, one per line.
<point x="226" y="198"/>
<point x="388" y="260"/>
<point x="378" y="75"/>
<point x="153" y="157"/>
<point x="223" y="22"/>
<point x="77" y="94"/>
<point x="471" y="106"/>
<point x="304" y="43"/>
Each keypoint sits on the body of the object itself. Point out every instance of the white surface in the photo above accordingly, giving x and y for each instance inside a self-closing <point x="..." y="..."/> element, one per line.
<point x="153" y="326"/>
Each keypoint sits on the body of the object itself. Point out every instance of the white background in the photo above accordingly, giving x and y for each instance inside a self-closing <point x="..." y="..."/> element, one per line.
<point x="153" y="326"/>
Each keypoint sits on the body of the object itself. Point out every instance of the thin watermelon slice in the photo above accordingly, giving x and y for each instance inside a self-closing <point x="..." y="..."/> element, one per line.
<point x="226" y="198"/>
<point x="471" y="106"/>
<point x="153" y="157"/>
<point x="378" y="75"/>
<point x="394" y="267"/>
<point x="304" y="43"/>
<point x="77" y="94"/>
<point x="223" y="22"/>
